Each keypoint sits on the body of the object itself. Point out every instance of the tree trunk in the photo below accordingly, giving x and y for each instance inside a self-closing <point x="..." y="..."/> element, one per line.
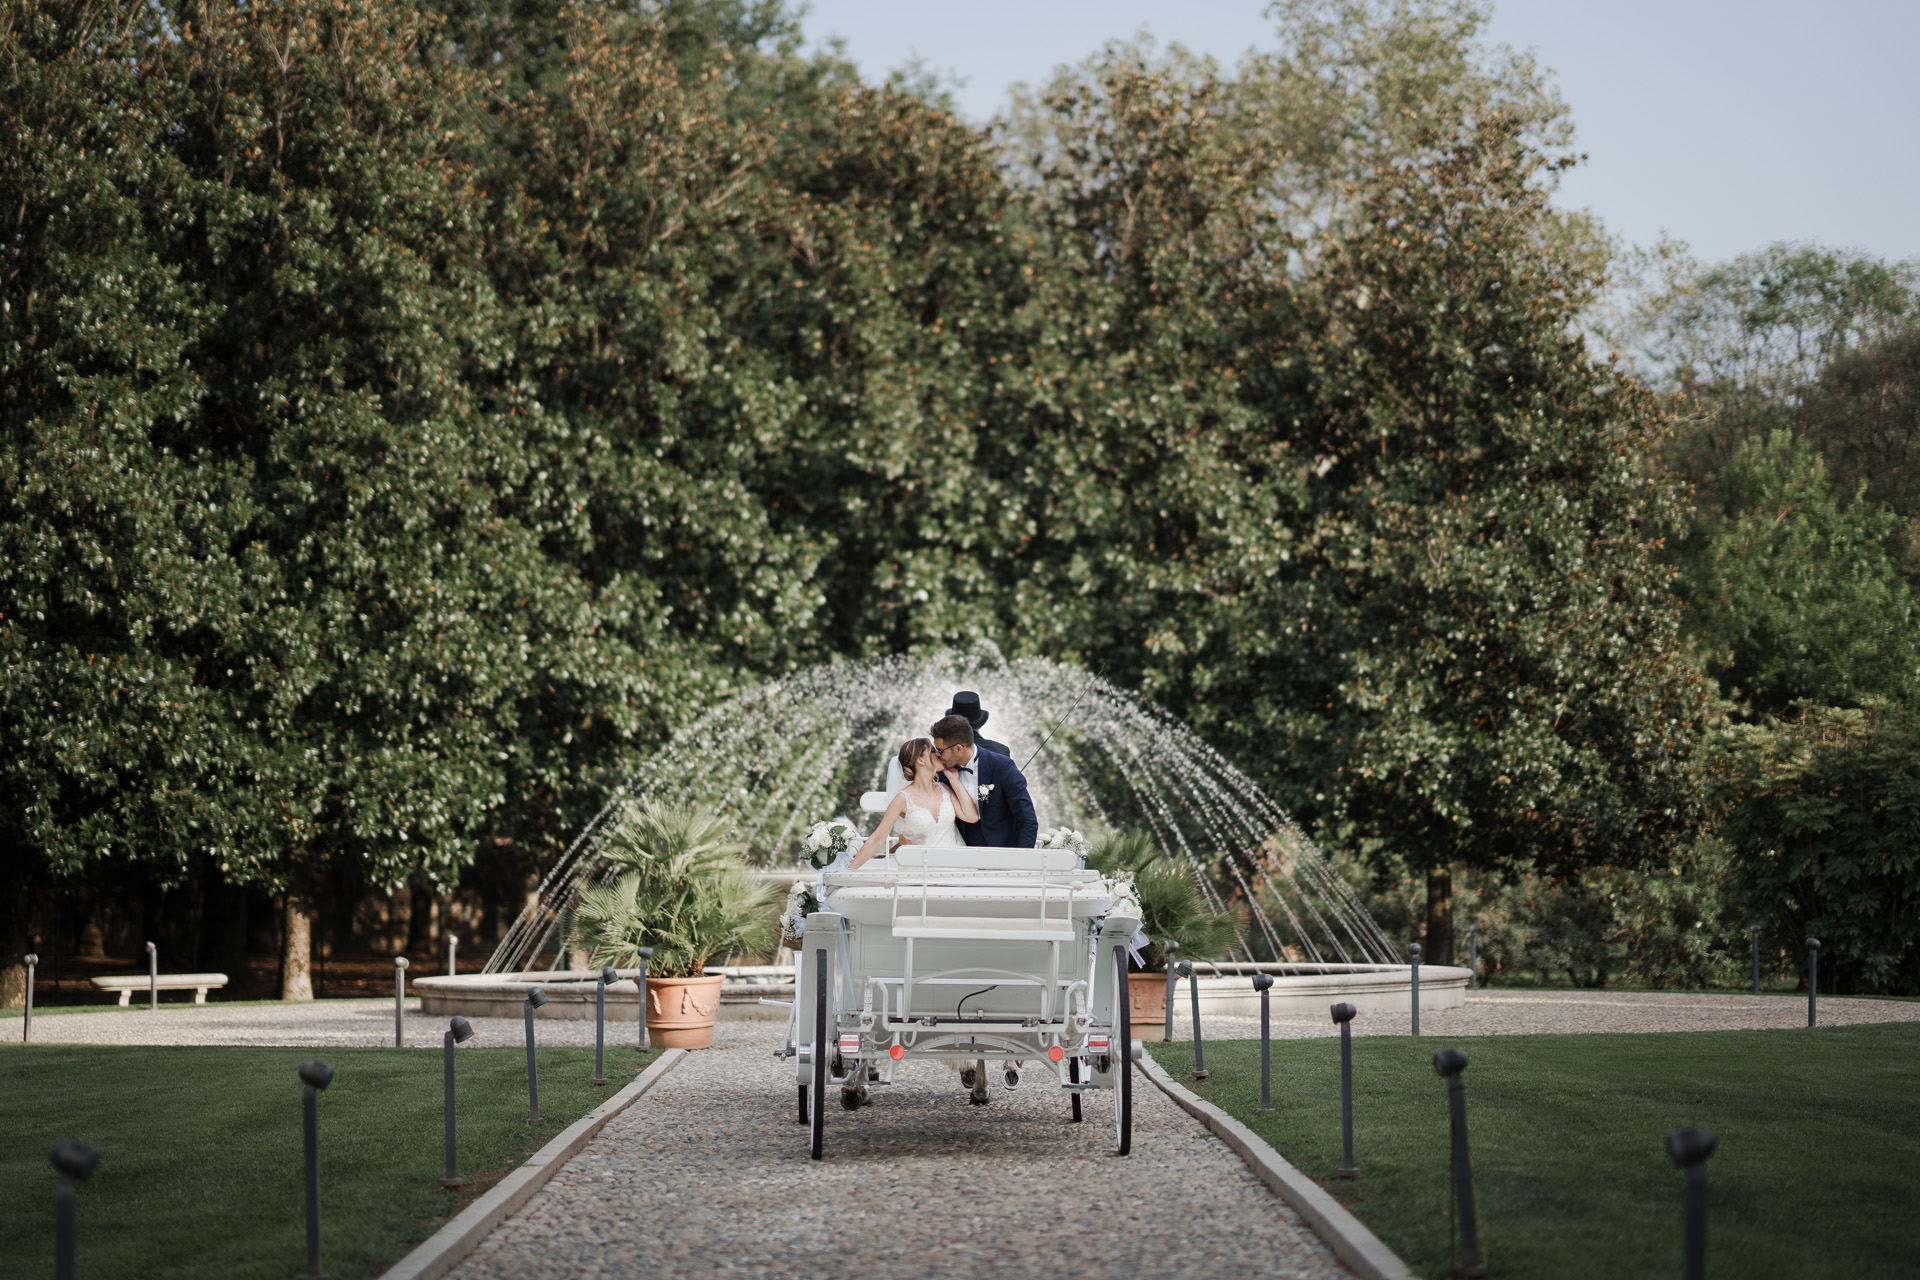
<point x="296" y="950"/>
<point x="18" y="880"/>
<point x="420" y="921"/>
<point x="1439" y="941"/>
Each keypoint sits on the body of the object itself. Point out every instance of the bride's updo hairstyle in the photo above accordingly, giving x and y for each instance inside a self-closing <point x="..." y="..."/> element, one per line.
<point x="910" y="753"/>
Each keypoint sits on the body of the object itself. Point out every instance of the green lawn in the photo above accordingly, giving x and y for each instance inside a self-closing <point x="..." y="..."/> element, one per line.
<point x="200" y="1165"/>
<point x="1817" y="1174"/>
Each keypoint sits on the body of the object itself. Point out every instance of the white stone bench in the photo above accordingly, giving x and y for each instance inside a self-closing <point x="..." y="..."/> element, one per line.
<point x="198" y="983"/>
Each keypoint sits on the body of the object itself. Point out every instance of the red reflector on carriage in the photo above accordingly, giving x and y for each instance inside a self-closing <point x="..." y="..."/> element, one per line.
<point x="1055" y="1053"/>
<point x="896" y="1053"/>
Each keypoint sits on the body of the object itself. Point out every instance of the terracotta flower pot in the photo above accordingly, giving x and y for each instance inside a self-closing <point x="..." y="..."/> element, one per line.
<point x="1147" y="1004"/>
<point x="681" y="1011"/>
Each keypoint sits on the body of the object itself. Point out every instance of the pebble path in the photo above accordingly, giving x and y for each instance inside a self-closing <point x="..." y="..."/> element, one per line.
<point x="1506" y="1011"/>
<point x="708" y="1176"/>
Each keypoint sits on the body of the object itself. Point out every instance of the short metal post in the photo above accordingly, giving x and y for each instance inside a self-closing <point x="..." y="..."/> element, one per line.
<point x="26" y="1031"/>
<point x="1473" y="957"/>
<point x="400" y="964"/>
<point x="640" y="984"/>
<point x="1166" y="1025"/>
<point x="453" y="950"/>
<point x="535" y="998"/>
<point x="315" y="1076"/>
<point x="1415" y="949"/>
<point x="74" y="1162"/>
<point x="1263" y="983"/>
<point x="1343" y="1018"/>
<point x="153" y="978"/>
<point x="1690" y="1149"/>
<point x="600" y="1024"/>
<point x="1450" y="1064"/>
<point x="1813" y="980"/>
<point x="457" y="1030"/>
<point x="1193" y="993"/>
<point x="1754" y="930"/>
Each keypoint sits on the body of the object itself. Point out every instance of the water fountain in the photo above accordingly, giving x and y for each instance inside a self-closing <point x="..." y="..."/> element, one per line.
<point x="788" y="753"/>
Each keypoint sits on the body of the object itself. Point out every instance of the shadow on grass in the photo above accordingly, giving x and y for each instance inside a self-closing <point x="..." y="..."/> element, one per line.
<point x="200" y="1169"/>
<point x="1817" y="1174"/>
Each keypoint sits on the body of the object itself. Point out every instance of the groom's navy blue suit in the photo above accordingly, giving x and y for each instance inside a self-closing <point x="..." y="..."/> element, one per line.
<point x="1007" y="820"/>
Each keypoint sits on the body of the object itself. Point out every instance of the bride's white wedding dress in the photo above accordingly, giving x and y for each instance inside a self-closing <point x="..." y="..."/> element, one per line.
<point x="926" y="827"/>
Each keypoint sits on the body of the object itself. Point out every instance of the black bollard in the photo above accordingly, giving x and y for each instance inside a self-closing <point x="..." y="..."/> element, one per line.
<point x="640" y="984"/>
<point x="74" y="1162"/>
<point x="1690" y="1149"/>
<point x="1193" y="992"/>
<point x="1473" y="957"/>
<point x="1449" y="1064"/>
<point x="1813" y="980"/>
<point x="1415" y="950"/>
<point x="26" y="1029"/>
<point x="1166" y="1023"/>
<point x="600" y="1024"/>
<point x="458" y="1031"/>
<point x="315" y="1076"/>
<point x="1263" y="983"/>
<point x="1343" y="1017"/>
<point x="153" y="978"/>
<point x="1754" y="930"/>
<point x="535" y="998"/>
<point x="400" y="964"/>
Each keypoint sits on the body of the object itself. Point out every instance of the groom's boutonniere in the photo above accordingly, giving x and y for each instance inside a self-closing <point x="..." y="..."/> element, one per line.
<point x="986" y="789"/>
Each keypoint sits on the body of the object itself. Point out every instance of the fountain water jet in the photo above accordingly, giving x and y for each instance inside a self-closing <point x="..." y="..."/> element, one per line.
<point x="790" y="752"/>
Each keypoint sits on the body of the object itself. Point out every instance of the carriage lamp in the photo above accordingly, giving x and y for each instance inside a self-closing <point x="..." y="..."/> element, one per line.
<point x="459" y="1031"/>
<point x="535" y="999"/>
<point x="607" y="975"/>
<point x="316" y="1076"/>
<point x="74" y="1162"/>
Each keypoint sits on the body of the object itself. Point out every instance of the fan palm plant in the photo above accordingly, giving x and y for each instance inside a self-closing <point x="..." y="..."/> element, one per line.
<point x="1171" y="908"/>
<point x="668" y="878"/>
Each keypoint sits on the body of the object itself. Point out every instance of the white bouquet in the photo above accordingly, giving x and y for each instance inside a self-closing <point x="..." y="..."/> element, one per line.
<point x="801" y="903"/>
<point x="1063" y="838"/>
<point x="830" y="842"/>
<point x="1126" y="898"/>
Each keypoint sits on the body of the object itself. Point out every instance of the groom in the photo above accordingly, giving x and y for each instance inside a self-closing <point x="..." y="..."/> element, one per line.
<point x="1007" y="820"/>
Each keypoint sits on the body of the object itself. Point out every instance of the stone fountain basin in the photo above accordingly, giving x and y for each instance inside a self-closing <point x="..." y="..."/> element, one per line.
<point x="1298" y="991"/>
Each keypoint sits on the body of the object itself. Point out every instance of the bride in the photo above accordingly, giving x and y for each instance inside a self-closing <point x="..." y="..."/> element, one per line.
<point x="924" y="809"/>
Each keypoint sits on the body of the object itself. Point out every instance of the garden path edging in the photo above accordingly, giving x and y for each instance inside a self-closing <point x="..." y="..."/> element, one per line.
<point x="446" y="1248"/>
<point x="1349" y="1238"/>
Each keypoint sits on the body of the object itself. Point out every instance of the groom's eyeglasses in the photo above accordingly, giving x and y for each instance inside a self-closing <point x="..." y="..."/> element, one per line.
<point x="942" y="751"/>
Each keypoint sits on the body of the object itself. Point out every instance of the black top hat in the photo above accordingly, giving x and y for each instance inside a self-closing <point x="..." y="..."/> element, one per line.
<point x="967" y="703"/>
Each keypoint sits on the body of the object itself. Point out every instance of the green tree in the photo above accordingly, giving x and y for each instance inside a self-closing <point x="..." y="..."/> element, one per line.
<point x="1793" y="593"/>
<point x="1824" y="813"/>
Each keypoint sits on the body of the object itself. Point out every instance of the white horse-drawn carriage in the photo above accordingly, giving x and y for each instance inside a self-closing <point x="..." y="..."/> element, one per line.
<point x="970" y="956"/>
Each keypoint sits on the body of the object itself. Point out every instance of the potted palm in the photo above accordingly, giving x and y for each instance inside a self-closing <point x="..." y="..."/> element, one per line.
<point x="668" y="878"/>
<point x="1171" y="910"/>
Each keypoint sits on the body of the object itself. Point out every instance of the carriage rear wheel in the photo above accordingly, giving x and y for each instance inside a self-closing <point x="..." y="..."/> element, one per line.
<point x="817" y="1113"/>
<point x="1122" y="1058"/>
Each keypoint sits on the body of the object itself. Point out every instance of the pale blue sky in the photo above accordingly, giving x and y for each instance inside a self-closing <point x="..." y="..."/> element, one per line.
<point x="1730" y="125"/>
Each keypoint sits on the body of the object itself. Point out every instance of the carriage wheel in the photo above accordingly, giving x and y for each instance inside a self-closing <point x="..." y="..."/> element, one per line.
<point x="1073" y="1077"/>
<point x="817" y="1114"/>
<point x="1122" y="1057"/>
<point x="803" y="1104"/>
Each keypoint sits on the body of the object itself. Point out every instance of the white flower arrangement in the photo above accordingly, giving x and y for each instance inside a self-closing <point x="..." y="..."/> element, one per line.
<point x="828" y="841"/>
<point x="1064" y="838"/>
<point x="1126" y="898"/>
<point x="801" y="903"/>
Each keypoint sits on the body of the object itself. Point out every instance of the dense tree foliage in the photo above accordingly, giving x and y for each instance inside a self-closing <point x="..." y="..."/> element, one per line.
<point x="410" y="414"/>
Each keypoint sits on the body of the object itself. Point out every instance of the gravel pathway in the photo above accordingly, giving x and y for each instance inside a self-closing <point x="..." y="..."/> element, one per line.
<point x="1510" y="1012"/>
<point x="708" y="1176"/>
<point x="1487" y="1013"/>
